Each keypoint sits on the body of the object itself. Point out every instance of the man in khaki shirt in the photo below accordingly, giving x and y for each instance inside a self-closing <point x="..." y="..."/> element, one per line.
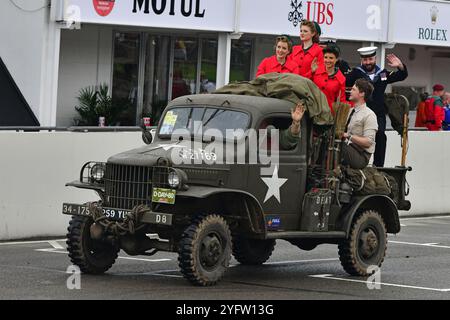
<point x="362" y="127"/>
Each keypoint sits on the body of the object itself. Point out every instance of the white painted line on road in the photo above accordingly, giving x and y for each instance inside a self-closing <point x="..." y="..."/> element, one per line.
<point x="430" y="245"/>
<point x="147" y="260"/>
<point x="290" y="262"/>
<point x="32" y="268"/>
<point x="403" y="225"/>
<point x="164" y="275"/>
<point x="51" y="250"/>
<point x="330" y="276"/>
<point x="28" y="242"/>
<point x="54" y="250"/>
<point x="55" y="245"/>
<point x="300" y="261"/>
<point x="425" y="218"/>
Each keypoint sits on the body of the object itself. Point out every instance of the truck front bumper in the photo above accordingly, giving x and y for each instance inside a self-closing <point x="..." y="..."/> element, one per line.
<point x="115" y="214"/>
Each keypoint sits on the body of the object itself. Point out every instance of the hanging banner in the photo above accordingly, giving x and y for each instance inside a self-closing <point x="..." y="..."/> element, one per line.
<point x="363" y="20"/>
<point x="207" y="15"/>
<point x="429" y="23"/>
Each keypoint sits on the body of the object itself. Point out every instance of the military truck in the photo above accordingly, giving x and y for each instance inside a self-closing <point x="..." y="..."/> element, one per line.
<point x="208" y="210"/>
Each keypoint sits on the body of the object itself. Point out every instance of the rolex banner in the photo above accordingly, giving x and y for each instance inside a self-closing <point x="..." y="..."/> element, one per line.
<point x="429" y="23"/>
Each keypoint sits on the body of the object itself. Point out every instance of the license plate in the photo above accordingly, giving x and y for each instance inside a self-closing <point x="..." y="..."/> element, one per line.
<point x="82" y="210"/>
<point x="117" y="214"/>
<point x="160" y="195"/>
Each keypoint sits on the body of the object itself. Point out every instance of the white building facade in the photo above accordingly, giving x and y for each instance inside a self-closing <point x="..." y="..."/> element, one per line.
<point x="151" y="51"/>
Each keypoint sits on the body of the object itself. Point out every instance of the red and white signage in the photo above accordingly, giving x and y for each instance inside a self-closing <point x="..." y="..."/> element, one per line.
<point x="103" y="7"/>
<point x="363" y="20"/>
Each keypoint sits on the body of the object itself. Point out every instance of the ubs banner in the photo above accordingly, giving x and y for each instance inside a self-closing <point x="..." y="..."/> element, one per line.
<point x="420" y="22"/>
<point x="364" y="20"/>
<point x="210" y="15"/>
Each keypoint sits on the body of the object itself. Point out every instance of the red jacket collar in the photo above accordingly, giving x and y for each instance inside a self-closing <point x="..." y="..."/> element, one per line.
<point x="313" y="50"/>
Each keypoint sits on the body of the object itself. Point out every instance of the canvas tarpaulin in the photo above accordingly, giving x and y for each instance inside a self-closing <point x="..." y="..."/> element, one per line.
<point x="289" y="87"/>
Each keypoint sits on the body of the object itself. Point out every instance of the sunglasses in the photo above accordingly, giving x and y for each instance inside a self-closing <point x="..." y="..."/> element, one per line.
<point x="284" y="38"/>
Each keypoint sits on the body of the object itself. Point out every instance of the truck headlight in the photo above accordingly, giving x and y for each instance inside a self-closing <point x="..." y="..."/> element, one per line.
<point x="174" y="180"/>
<point x="98" y="172"/>
<point x="177" y="179"/>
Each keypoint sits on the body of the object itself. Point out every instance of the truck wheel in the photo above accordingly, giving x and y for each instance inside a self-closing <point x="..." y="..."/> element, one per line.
<point x="91" y="256"/>
<point x="205" y="250"/>
<point x="252" y="251"/>
<point x="366" y="245"/>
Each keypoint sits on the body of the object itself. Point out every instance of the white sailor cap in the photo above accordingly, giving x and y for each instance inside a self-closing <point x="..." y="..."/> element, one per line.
<point x="368" y="52"/>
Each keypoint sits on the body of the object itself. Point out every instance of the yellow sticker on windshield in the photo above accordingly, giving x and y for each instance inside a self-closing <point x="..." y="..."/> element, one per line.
<point x="169" y="123"/>
<point x="170" y="118"/>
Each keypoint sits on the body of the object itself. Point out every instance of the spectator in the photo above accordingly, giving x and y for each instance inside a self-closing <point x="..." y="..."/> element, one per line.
<point x="447" y="100"/>
<point x="361" y="129"/>
<point x="379" y="78"/>
<point x="330" y="79"/>
<point x="434" y="108"/>
<point x="446" y="124"/>
<point x="343" y="65"/>
<point x="421" y="118"/>
<point x="279" y="62"/>
<point x="309" y="51"/>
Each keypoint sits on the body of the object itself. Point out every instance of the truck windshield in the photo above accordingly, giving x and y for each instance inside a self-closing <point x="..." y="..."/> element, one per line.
<point x="209" y="117"/>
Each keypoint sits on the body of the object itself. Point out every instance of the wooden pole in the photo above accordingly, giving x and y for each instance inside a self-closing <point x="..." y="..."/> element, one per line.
<point x="405" y="139"/>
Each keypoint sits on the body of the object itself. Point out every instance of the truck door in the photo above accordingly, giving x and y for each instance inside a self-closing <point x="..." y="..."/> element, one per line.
<point x="281" y="186"/>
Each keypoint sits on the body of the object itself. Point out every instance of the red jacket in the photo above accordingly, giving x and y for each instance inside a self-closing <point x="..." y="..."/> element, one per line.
<point x="435" y="113"/>
<point x="304" y="59"/>
<point x="331" y="86"/>
<point x="271" y="64"/>
<point x="421" y="117"/>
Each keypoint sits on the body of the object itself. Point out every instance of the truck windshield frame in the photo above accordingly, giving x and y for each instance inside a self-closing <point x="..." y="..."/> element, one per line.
<point x="211" y="117"/>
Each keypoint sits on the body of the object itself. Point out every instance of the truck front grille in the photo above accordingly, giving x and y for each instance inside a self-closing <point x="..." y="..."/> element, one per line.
<point x="128" y="186"/>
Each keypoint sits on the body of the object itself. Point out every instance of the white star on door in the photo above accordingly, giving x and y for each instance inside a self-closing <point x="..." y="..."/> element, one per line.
<point x="274" y="185"/>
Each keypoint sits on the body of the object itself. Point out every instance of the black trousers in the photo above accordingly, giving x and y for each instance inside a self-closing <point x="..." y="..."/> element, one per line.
<point x="354" y="157"/>
<point x="381" y="141"/>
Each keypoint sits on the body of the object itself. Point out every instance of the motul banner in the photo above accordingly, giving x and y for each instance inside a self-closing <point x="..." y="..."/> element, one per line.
<point x="208" y="15"/>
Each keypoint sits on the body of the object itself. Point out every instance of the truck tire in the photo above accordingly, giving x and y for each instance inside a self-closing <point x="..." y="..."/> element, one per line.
<point x="92" y="257"/>
<point x="205" y="250"/>
<point x="366" y="245"/>
<point x="252" y="251"/>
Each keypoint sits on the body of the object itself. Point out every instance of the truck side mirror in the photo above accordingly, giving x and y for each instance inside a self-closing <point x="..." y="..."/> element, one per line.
<point x="147" y="137"/>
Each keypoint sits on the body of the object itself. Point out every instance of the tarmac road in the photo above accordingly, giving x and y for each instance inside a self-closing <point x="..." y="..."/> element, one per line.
<point x="416" y="267"/>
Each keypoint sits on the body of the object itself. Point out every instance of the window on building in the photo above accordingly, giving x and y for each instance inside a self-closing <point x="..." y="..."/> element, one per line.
<point x="208" y="73"/>
<point x="149" y="70"/>
<point x="156" y="83"/>
<point x="241" y="60"/>
<point x="125" y="74"/>
<point x="185" y="65"/>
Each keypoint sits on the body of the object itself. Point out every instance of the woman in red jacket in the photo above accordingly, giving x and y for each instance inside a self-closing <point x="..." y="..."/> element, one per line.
<point x="279" y="62"/>
<point x="329" y="78"/>
<point x="309" y="51"/>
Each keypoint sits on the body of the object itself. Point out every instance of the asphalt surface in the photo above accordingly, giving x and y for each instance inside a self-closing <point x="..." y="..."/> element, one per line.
<point x="416" y="267"/>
